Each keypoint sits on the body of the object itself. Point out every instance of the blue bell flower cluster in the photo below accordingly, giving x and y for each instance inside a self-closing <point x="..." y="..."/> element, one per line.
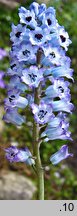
<point x="40" y="32"/>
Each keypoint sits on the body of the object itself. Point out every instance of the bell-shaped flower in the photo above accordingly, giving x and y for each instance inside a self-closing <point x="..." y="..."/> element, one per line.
<point x="53" y="55"/>
<point x="49" y="20"/>
<point x="15" y="82"/>
<point x="60" y="119"/>
<point x="39" y="36"/>
<point x="62" y="105"/>
<point x="63" y="37"/>
<point x="58" y="89"/>
<point x="27" y="17"/>
<point x="30" y="160"/>
<point x="45" y="15"/>
<point x="60" y="155"/>
<point x="32" y="76"/>
<point x="13" y="154"/>
<point x="15" y="35"/>
<point x="12" y="116"/>
<point x="26" y="52"/>
<point x="34" y="7"/>
<point x="57" y="128"/>
<point x="38" y="9"/>
<point x="60" y="71"/>
<point x="42" y="113"/>
<point x="16" y="67"/>
<point x="15" y="100"/>
<point x="54" y="133"/>
<point x="51" y="10"/>
<point x="42" y="8"/>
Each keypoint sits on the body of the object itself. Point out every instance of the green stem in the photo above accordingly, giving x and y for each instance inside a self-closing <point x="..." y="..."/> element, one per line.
<point x="36" y="149"/>
<point x="39" y="169"/>
<point x="40" y="175"/>
<point x="36" y="142"/>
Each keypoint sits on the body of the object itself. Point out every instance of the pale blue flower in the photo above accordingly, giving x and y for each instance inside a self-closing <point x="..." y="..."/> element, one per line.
<point x="26" y="52"/>
<point x="51" y="10"/>
<point x="27" y="17"/>
<point x="58" y="120"/>
<point x="58" y="89"/>
<point x="60" y="155"/>
<point x="15" y="35"/>
<point x="13" y="154"/>
<point x="15" y="67"/>
<point x="42" y="9"/>
<point x="62" y="105"/>
<point x="15" y="100"/>
<point x="49" y="20"/>
<point x="38" y="10"/>
<point x="34" y="7"/>
<point x="61" y="71"/>
<point x="30" y="161"/>
<point x="57" y="128"/>
<point x="39" y="36"/>
<point x="63" y="37"/>
<point x="53" y="55"/>
<point x="32" y="76"/>
<point x="60" y="132"/>
<point x="12" y="116"/>
<point x="15" y="82"/>
<point x="42" y="113"/>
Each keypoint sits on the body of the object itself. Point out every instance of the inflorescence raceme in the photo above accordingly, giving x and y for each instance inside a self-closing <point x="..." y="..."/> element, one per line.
<point x="39" y="32"/>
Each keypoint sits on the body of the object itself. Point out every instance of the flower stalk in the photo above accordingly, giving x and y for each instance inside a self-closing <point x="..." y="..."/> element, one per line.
<point x="36" y="149"/>
<point x="36" y="142"/>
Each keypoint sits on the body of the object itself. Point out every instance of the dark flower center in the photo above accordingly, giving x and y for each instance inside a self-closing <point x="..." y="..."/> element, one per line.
<point x="28" y="18"/>
<point x="61" y="89"/>
<point x="11" y="98"/>
<point x="12" y="66"/>
<point x="32" y="77"/>
<point x="26" y="52"/>
<point x="64" y="131"/>
<point x="52" y="54"/>
<point x="63" y="39"/>
<point x="49" y="22"/>
<point x="41" y="114"/>
<point x="39" y="36"/>
<point x="18" y="34"/>
<point x="12" y="154"/>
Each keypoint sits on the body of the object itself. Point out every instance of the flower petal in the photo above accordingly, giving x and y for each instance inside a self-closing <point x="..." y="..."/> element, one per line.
<point x="60" y="155"/>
